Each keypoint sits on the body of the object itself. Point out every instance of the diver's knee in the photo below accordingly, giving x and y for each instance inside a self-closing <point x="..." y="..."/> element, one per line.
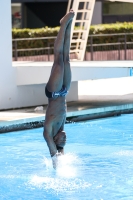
<point x="58" y="58"/>
<point x="67" y="59"/>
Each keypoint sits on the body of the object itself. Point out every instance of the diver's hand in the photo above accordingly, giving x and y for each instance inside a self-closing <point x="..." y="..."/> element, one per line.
<point x="55" y="160"/>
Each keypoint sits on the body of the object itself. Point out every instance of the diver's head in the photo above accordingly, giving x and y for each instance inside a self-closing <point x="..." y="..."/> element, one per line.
<point x="60" y="139"/>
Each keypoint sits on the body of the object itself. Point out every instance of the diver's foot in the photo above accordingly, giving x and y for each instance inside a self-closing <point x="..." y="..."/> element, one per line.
<point x="67" y="18"/>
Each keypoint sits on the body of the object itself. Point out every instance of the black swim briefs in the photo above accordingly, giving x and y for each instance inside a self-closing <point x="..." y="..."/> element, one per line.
<point x="61" y="93"/>
<point x="59" y="148"/>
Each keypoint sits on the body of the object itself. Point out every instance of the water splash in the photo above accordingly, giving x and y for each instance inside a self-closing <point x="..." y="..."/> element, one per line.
<point x="67" y="166"/>
<point x="65" y="178"/>
<point x="58" y="184"/>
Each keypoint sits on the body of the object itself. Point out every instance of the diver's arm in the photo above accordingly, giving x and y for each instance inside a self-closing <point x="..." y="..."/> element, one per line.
<point x="50" y="142"/>
<point x="61" y="151"/>
<point x="52" y="148"/>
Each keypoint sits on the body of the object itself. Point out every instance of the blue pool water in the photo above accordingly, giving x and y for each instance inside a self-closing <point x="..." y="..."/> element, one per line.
<point x="98" y="164"/>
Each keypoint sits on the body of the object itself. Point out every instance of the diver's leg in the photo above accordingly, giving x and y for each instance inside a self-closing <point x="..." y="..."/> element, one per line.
<point x="56" y="78"/>
<point x="66" y="52"/>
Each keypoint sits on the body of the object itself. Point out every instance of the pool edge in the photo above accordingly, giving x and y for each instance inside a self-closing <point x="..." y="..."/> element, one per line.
<point x="73" y="116"/>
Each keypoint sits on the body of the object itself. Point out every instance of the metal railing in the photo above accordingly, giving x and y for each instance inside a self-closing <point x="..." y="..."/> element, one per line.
<point x="30" y="53"/>
<point x="122" y="49"/>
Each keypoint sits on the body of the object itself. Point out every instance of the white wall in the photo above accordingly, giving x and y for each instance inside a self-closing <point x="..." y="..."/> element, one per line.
<point x="34" y="95"/>
<point x="31" y="78"/>
<point x="31" y="73"/>
<point x="12" y="95"/>
<point x="97" y="14"/>
<point x="22" y="86"/>
<point x="6" y="72"/>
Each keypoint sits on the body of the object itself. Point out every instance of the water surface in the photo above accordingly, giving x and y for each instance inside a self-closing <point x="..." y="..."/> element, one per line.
<point x="98" y="164"/>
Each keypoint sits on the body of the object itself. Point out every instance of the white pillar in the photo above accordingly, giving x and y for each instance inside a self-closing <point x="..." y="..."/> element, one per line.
<point x="6" y="71"/>
<point x="97" y="14"/>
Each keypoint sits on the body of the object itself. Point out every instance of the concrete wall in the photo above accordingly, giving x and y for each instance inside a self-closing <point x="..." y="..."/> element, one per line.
<point x="97" y="14"/>
<point x="23" y="85"/>
<point x="31" y="78"/>
<point x="6" y="73"/>
<point x="31" y="73"/>
<point x="11" y="94"/>
<point x="33" y="95"/>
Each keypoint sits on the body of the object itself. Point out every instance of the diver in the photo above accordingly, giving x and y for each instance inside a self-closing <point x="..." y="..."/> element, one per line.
<point x="56" y="89"/>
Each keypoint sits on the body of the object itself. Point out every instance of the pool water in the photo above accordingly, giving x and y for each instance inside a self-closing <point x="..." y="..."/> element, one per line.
<point x="98" y="164"/>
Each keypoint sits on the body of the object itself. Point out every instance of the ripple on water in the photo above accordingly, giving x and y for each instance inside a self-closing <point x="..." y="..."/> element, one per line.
<point x="124" y="153"/>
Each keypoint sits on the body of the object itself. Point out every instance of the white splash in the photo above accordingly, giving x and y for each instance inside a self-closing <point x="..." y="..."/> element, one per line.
<point x="64" y="178"/>
<point x="68" y="166"/>
<point x="58" y="184"/>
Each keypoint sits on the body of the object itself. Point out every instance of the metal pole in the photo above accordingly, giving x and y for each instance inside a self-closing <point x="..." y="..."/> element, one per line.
<point x="125" y="45"/>
<point x="119" y="48"/>
<point x="16" y="52"/>
<point x="91" y="42"/>
<point x="48" y="52"/>
<point x="119" y="52"/>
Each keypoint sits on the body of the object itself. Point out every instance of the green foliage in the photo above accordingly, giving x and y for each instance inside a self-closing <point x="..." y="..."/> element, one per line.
<point x="33" y="33"/>
<point x="126" y="27"/>
<point x="95" y="30"/>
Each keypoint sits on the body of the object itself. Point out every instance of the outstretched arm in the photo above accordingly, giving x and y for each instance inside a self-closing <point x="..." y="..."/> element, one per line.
<point x="52" y="147"/>
<point x="50" y="142"/>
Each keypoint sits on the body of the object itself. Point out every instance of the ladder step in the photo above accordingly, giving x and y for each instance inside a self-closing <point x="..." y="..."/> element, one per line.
<point x="83" y="10"/>
<point x="81" y="20"/>
<point x="75" y="50"/>
<point x="88" y="1"/>
<point x="79" y="31"/>
<point x="77" y="40"/>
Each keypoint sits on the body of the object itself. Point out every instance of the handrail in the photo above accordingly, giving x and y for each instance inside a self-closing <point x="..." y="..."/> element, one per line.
<point x="32" y="49"/>
<point x="47" y="50"/>
<point x="38" y="38"/>
<point x="96" y="35"/>
<point x="109" y="44"/>
<point x="116" y="34"/>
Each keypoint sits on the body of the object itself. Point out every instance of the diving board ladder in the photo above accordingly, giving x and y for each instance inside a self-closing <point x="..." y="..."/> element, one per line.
<point x="81" y="24"/>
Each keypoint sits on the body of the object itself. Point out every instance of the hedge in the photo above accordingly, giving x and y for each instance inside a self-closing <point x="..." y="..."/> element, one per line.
<point x="94" y="30"/>
<point x="117" y="28"/>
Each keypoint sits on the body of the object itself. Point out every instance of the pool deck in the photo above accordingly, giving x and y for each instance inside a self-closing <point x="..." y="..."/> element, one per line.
<point x="86" y="108"/>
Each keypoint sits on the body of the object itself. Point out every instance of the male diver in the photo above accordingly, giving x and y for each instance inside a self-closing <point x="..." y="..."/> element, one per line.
<point x="56" y="90"/>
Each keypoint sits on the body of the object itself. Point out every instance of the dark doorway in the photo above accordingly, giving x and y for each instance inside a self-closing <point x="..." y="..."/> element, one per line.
<point x="47" y="14"/>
